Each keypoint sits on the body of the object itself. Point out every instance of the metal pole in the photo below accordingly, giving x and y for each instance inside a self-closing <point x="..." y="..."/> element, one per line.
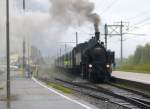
<point x="65" y="48"/>
<point x="24" y="50"/>
<point x="106" y="33"/>
<point x="121" y="41"/>
<point x="24" y="44"/>
<point x="60" y="52"/>
<point x="60" y="56"/>
<point x="24" y="5"/>
<point x="8" y="49"/>
<point x="76" y="38"/>
<point x="28" y="54"/>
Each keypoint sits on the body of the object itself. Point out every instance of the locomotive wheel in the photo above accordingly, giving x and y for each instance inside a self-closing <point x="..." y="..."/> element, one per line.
<point x="83" y="72"/>
<point x="91" y="77"/>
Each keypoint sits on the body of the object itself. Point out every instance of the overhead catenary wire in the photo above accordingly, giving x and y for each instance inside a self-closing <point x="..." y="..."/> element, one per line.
<point x="142" y="21"/>
<point x="140" y="24"/>
<point x="109" y="7"/>
<point x="139" y="15"/>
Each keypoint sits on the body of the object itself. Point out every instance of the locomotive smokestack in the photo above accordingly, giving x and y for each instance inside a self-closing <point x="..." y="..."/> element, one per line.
<point x="97" y="33"/>
<point x="97" y="36"/>
<point x="96" y="26"/>
<point x="96" y="21"/>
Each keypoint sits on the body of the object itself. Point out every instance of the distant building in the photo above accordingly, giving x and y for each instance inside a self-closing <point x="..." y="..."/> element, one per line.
<point x="14" y="58"/>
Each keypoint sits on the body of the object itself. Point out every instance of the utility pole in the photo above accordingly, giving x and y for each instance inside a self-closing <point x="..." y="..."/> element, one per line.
<point x="106" y="34"/>
<point x="28" y="54"/>
<point x="60" y="60"/>
<point x="8" y="49"/>
<point x="76" y="38"/>
<point x="24" y="44"/>
<point x="60" y="52"/>
<point x="65" y="48"/>
<point x="24" y="52"/>
<point x="24" y="5"/>
<point x="121" y="34"/>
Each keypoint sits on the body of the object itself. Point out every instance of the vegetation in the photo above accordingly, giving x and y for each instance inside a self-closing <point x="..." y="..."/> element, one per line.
<point x="141" y="55"/>
<point x="140" y="61"/>
<point x="1" y="88"/>
<point x="61" y="88"/>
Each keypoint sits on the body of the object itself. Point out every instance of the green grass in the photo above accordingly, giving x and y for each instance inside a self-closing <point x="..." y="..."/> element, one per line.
<point x="60" y="88"/>
<point x="135" y="68"/>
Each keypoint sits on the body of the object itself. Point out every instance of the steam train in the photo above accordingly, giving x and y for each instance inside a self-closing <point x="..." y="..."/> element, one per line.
<point x="90" y="60"/>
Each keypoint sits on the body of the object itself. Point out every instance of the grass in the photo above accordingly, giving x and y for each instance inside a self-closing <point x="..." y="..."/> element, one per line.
<point x="136" y="68"/>
<point x="60" y="88"/>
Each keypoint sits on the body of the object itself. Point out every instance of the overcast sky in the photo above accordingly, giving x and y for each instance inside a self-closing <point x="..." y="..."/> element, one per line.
<point x="132" y="11"/>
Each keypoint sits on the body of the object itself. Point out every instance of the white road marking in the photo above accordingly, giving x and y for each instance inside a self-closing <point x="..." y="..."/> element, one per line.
<point x="56" y="92"/>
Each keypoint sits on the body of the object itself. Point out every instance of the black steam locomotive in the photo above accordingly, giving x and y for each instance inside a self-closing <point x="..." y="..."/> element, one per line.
<point x="90" y="60"/>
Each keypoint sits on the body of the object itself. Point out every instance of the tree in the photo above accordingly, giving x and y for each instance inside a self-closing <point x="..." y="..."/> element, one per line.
<point x="141" y="55"/>
<point x="137" y="58"/>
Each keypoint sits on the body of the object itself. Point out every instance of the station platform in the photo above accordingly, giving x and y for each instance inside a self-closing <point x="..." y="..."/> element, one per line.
<point x="138" y="77"/>
<point x="32" y="94"/>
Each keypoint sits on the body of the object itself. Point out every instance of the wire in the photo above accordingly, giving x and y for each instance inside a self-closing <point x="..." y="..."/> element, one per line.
<point x="136" y="34"/>
<point x="142" y="21"/>
<point x="109" y="6"/>
<point x="140" y="24"/>
<point x="139" y="15"/>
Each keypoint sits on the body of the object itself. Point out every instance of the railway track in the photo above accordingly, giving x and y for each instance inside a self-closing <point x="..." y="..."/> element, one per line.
<point x="146" y="95"/>
<point x="109" y="93"/>
<point x="133" y="84"/>
<point x="130" y="97"/>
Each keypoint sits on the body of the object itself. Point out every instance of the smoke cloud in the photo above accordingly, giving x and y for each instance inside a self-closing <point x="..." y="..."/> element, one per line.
<point x="33" y="26"/>
<point x="72" y="12"/>
<point x="44" y="29"/>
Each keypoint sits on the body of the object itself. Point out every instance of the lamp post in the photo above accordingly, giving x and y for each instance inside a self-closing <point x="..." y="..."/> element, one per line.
<point x="8" y="49"/>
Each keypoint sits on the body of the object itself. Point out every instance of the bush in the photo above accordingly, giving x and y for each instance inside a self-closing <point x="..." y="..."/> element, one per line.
<point x="143" y="68"/>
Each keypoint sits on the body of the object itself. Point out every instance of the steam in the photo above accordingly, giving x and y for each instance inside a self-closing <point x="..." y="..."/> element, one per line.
<point x="33" y="26"/>
<point x="72" y="12"/>
<point x="44" y="29"/>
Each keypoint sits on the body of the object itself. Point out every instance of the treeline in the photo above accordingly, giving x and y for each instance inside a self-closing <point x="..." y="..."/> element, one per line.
<point x="141" y="55"/>
<point x="139" y="61"/>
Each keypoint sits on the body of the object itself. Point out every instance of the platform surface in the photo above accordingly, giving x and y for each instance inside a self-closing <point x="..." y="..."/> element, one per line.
<point x="29" y="94"/>
<point x="139" y="77"/>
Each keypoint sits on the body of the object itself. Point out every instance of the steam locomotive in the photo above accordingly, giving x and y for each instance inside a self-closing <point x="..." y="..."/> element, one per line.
<point x="90" y="60"/>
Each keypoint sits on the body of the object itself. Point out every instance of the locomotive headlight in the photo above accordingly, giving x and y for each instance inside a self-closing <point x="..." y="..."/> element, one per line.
<point x="90" y="66"/>
<point x="107" y="65"/>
